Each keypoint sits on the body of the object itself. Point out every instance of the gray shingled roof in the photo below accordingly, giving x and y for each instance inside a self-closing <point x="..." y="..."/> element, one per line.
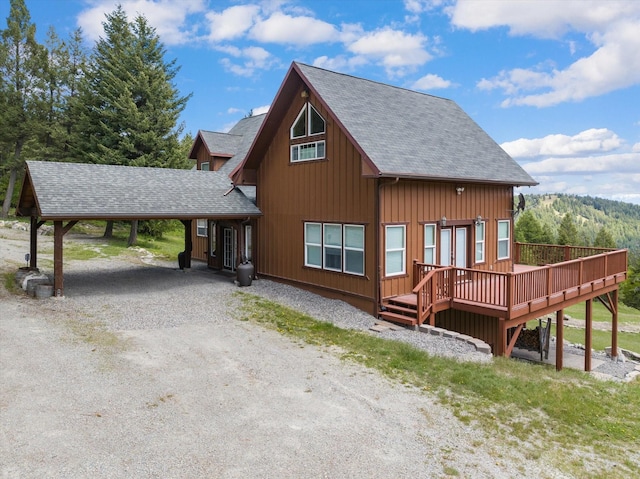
<point x="221" y="143"/>
<point x="79" y="190"/>
<point x="247" y="129"/>
<point x="407" y="133"/>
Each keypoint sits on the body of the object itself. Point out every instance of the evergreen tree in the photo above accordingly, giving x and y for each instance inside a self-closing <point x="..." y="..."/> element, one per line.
<point x="528" y="229"/>
<point x="630" y="289"/>
<point x="127" y="106"/>
<point x="604" y="239"/>
<point x="568" y="231"/>
<point x="22" y="65"/>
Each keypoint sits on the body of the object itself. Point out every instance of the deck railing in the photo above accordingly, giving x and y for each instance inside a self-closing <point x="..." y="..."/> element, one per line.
<point x="542" y="254"/>
<point x="516" y="293"/>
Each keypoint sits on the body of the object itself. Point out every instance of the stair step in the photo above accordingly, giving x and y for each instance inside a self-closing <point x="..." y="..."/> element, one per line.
<point x="396" y="308"/>
<point x="398" y="318"/>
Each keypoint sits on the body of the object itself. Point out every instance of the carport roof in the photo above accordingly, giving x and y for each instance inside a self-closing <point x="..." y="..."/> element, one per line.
<point x="69" y="191"/>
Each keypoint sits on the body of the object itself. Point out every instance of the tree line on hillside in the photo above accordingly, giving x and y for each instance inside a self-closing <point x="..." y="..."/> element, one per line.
<point x="585" y="221"/>
<point x="115" y="104"/>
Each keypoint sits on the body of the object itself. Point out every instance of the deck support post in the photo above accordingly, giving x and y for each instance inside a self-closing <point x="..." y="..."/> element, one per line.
<point x="559" y="338"/>
<point x="587" y="334"/>
<point x="614" y="323"/>
<point x="501" y="347"/>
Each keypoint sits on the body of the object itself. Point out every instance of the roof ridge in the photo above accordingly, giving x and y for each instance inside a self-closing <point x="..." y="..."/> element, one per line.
<point x="387" y="85"/>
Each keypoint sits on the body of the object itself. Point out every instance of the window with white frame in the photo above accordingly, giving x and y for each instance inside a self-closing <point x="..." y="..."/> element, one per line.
<point x="480" y="242"/>
<point x="201" y="228"/>
<point x="430" y="244"/>
<point x="308" y="123"/>
<point x="334" y="247"/>
<point x="354" y="249"/>
<point x="395" y="250"/>
<point x="248" y="243"/>
<point x="313" y="245"/>
<point x="204" y="166"/>
<point x="504" y="239"/>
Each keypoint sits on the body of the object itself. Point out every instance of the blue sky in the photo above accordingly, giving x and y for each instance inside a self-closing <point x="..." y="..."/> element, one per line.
<point x="555" y="83"/>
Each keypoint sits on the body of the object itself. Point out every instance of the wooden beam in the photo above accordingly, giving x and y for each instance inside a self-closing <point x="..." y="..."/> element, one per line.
<point x="58" y="279"/>
<point x="587" y="334"/>
<point x="512" y="343"/>
<point x="33" y="243"/>
<point x="614" y="323"/>
<point x="58" y="276"/>
<point x="559" y="338"/>
<point x="188" y="243"/>
<point x="501" y="347"/>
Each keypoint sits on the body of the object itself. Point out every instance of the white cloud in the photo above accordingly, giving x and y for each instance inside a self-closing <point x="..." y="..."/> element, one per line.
<point x="340" y="63"/>
<point x="431" y="82"/>
<point x="392" y="48"/>
<point x="636" y="148"/>
<point x="232" y="22"/>
<point x="622" y="162"/>
<point x="232" y="110"/>
<point x="286" y="29"/>
<point x="611" y="27"/>
<point x="259" y="110"/>
<point x="594" y="140"/>
<point x="255" y="58"/>
<point x="168" y="17"/>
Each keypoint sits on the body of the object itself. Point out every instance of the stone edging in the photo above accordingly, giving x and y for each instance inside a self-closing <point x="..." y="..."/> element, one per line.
<point x="479" y="344"/>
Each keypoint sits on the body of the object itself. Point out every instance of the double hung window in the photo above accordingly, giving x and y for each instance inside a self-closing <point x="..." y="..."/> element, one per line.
<point x="395" y="250"/>
<point x="201" y="227"/>
<point x="504" y="238"/>
<point x="334" y="247"/>
<point x="480" y="242"/>
<point x="430" y="244"/>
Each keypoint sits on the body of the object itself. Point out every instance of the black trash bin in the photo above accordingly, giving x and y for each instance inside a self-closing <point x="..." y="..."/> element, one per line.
<point x="181" y="260"/>
<point x="245" y="273"/>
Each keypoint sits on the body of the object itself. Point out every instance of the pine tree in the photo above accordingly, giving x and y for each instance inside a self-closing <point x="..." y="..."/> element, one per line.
<point x="604" y="239"/>
<point x="528" y="229"/>
<point x="568" y="231"/>
<point x="22" y="65"/>
<point x="127" y="106"/>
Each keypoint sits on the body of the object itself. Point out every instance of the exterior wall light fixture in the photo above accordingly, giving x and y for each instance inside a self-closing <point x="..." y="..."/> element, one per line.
<point x="443" y="221"/>
<point x="478" y="220"/>
<point x="459" y="190"/>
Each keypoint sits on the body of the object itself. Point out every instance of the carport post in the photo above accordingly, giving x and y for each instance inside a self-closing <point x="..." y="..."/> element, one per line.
<point x="58" y="282"/>
<point x="188" y="246"/>
<point x="33" y="259"/>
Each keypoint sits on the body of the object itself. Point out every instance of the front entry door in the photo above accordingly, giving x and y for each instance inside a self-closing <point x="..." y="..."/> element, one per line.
<point x="453" y="247"/>
<point x="445" y="247"/>
<point x="230" y="241"/>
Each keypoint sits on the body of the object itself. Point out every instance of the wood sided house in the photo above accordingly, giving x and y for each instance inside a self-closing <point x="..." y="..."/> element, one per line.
<point x="392" y="200"/>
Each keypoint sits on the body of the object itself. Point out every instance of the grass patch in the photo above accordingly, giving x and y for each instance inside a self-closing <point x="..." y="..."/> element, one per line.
<point x="10" y="282"/>
<point x="601" y="339"/>
<point x="600" y="313"/>
<point x="514" y="401"/>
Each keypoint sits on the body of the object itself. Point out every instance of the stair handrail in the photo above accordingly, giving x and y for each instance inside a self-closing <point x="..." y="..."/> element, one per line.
<point x="422" y="309"/>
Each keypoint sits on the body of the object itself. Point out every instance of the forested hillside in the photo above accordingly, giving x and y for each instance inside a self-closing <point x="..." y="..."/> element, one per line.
<point x="591" y="216"/>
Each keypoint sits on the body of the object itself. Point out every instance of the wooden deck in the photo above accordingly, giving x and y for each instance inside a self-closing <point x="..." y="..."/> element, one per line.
<point x="529" y="291"/>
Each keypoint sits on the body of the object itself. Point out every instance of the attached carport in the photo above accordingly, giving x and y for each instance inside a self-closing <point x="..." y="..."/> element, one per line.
<point x="66" y="193"/>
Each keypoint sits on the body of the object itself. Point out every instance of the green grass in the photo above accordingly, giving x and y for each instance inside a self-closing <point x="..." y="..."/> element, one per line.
<point x="531" y="407"/>
<point x="600" y="313"/>
<point x="601" y="339"/>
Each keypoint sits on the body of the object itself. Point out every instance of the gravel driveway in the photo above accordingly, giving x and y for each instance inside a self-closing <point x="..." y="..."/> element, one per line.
<point x="140" y="371"/>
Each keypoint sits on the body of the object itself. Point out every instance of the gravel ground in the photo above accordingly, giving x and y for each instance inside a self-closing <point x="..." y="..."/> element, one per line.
<point x="140" y="371"/>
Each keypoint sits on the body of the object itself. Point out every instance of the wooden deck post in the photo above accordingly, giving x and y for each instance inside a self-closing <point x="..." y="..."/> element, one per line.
<point x="559" y="338"/>
<point x="614" y="323"/>
<point x="501" y="347"/>
<point x="587" y="334"/>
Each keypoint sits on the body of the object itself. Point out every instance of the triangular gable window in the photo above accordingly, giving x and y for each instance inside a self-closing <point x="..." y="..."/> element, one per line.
<point x="308" y="120"/>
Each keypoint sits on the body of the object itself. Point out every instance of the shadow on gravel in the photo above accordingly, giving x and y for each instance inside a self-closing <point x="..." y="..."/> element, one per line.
<point x="137" y="279"/>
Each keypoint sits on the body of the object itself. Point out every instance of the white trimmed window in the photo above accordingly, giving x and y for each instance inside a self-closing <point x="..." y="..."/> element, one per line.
<point x="201" y="228"/>
<point x="504" y="238"/>
<point x="430" y="244"/>
<point x="395" y="250"/>
<point x="334" y="247"/>
<point x="204" y="166"/>
<point x="480" y="242"/>
<point x="248" y="243"/>
<point x="307" y="151"/>
<point x="313" y="245"/>
<point x="308" y="123"/>
<point x="354" y="249"/>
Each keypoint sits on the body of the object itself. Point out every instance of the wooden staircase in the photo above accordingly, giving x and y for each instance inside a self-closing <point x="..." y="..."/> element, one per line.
<point x="400" y="310"/>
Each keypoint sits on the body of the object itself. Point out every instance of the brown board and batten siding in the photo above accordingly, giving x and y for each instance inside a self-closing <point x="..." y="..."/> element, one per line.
<point x="415" y="203"/>
<point x="324" y="191"/>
